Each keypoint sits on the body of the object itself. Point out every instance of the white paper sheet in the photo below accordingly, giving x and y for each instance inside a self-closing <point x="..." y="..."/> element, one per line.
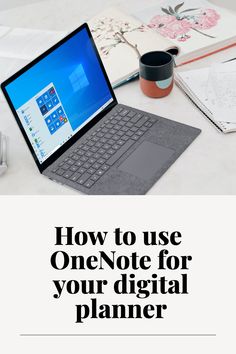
<point x="4" y="30"/>
<point x="27" y="44"/>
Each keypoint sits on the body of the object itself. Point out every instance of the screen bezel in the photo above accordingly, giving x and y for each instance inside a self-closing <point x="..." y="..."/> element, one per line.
<point x="82" y="131"/>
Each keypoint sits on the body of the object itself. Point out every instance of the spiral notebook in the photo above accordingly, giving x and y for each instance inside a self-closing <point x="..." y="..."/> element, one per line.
<point x="213" y="91"/>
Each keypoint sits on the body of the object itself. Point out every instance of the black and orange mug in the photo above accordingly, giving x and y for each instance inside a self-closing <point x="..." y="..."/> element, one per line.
<point x="156" y="74"/>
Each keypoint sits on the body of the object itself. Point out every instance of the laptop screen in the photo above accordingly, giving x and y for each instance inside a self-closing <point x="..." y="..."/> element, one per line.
<point x="60" y="94"/>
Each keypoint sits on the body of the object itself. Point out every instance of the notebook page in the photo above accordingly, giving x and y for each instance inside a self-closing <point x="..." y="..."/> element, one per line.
<point x="197" y="82"/>
<point x="222" y="89"/>
<point x="121" y="39"/>
<point x="192" y="25"/>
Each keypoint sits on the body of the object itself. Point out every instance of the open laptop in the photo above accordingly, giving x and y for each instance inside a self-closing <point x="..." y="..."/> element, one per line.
<point x="76" y="131"/>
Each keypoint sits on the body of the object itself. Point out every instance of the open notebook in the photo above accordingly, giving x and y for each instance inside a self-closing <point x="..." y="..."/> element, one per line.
<point x="213" y="91"/>
<point x="197" y="27"/>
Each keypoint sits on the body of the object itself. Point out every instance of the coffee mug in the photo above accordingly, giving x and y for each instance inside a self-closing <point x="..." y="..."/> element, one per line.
<point x="157" y="74"/>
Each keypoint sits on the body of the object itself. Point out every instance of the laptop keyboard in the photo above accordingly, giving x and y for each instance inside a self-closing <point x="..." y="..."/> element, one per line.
<point x="94" y="157"/>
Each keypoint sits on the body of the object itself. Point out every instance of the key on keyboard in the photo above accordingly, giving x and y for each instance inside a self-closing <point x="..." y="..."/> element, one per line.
<point x="89" y="161"/>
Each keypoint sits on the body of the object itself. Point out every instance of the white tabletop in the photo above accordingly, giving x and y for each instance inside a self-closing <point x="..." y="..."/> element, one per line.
<point x="207" y="167"/>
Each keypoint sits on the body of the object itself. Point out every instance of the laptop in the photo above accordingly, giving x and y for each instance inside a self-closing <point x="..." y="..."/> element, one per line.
<point x="77" y="132"/>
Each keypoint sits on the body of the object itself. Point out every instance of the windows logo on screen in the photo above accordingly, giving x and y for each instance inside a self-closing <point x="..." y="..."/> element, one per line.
<point x="78" y="78"/>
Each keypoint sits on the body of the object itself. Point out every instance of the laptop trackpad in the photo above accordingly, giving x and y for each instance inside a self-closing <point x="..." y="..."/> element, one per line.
<point x="146" y="160"/>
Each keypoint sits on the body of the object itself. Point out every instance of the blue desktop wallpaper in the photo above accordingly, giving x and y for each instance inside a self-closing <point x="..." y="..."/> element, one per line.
<point x="75" y="71"/>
